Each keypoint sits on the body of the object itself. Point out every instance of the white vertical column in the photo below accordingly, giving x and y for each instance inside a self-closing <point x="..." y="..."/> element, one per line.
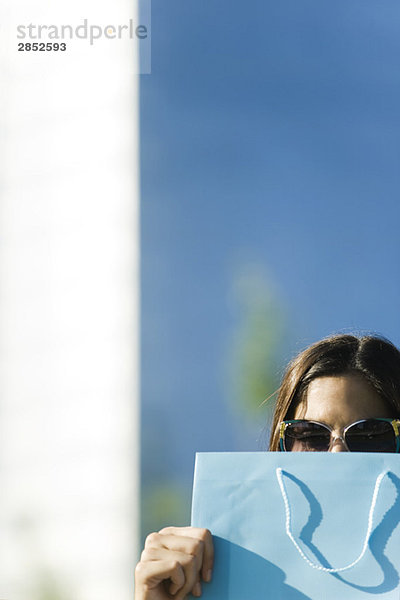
<point x="69" y="255"/>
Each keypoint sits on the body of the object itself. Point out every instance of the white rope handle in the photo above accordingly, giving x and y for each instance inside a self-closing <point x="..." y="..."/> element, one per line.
<point x="367" y="536"/>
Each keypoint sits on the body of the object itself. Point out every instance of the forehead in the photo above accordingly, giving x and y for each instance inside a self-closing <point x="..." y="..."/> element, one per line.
<point x="341" y="400"/>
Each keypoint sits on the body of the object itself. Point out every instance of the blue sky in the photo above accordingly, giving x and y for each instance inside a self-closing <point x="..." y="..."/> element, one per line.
<point x="269" y="136"/>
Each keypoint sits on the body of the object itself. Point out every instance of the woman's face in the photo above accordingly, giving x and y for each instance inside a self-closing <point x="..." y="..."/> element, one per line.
<point x="340" y="401"/>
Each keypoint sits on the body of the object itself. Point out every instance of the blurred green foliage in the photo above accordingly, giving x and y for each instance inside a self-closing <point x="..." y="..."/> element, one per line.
<point x="254" y="355"/>
<point x="164" y="504"/>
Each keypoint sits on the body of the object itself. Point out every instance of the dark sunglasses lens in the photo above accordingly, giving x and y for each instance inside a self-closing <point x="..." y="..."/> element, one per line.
<point x="306" y="437"/>
<point x="371" y="435"/>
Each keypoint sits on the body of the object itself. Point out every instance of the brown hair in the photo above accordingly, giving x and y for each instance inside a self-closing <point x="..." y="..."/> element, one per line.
<point x="373" y="357"/>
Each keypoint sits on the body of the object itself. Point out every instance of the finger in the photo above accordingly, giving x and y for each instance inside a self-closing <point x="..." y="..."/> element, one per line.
<point x="190" y="564"/>
<point x="179" y="543"/>
<point x="184" y="548"/>
<point x="201" y="534"/>
<point x="152" y="573"/>
<point x="197" y="588"/>
<point x="188" y="545"/>
<point x="195" y="591"/>
<point x="159" y="553"/>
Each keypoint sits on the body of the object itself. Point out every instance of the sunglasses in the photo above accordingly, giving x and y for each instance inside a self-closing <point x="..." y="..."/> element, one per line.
<point x="367" y="435"/>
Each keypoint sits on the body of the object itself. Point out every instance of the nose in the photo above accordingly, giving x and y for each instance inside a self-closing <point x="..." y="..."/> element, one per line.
<point x="338" y="445"/>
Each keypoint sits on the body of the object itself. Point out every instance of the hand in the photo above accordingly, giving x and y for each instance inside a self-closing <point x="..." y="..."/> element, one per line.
<point x="173" y="562"/>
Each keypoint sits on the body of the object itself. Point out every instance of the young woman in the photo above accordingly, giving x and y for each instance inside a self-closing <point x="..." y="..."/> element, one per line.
<point x="342" y="394"/>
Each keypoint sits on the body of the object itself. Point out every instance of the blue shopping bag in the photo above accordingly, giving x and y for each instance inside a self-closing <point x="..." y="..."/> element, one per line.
<point x="300" y="526"/>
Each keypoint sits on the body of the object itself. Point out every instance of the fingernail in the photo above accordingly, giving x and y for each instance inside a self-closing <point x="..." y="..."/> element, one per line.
<point x="209" y="575"/>
<point x="197" y="589"/>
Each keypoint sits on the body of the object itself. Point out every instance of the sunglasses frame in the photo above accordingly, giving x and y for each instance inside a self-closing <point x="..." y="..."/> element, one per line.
<point x="395" y="423"/>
